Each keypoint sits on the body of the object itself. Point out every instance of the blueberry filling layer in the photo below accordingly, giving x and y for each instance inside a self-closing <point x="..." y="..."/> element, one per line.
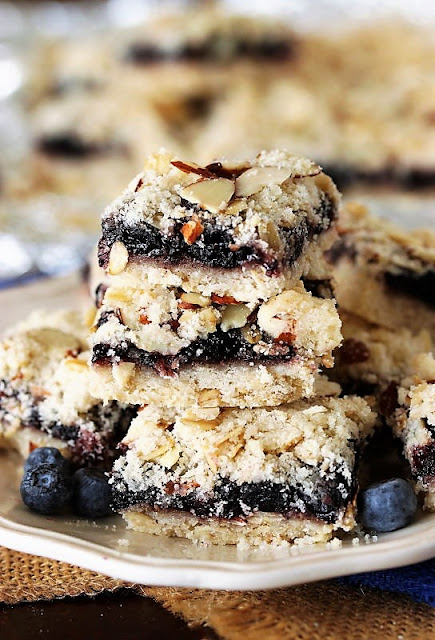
<point x="67" y="146"/>
<point x="345" y="176"/>
<point x="212" y="51"/>
<point x="418" y="286"/>
<point x="73" y="147"/>
<point x="217" y="348"/>
<point x="216" y="247"/>
<point x="423" y="462"/>
<point x="327" y="497"/>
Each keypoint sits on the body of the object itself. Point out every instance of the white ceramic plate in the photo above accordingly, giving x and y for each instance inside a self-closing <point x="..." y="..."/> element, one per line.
<point x="107" y="547"/>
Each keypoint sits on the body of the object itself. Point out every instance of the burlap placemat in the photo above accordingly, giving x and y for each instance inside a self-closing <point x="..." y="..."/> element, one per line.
<point x="320" y="611"/>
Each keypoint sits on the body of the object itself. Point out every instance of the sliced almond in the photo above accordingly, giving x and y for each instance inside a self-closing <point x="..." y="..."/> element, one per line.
<point x="209" y="398"/>
<point x="139" y="185"/>
<point x="159" y="162"/>
<point x="116" y="295"/>
<point x="169" y="458"/>
<point x="143" y="318"/>
<point x="192" y="167"/>
<point x="159" y="451"/>
<point x="315" y="170"/>
<point x="118" y="258"/>
<point x="213" y="194"/>
<point x="205" y="425"/>
<point x="76" y="364"/>
<point x="195" y="299"/>
<point x="269" y="233"/>
<point x="218" y="169"/>
<point x="251" y="334"/>
<point x="223" y="299"/>
<point x="192" y="230"/>
<point x="39" y="392"/>
<point x="275" y="316"/>
<point x="194" y="414"/>
<point x="212" y="460"/>
<point x="235" y="317"/>
<point x="253" y="180"/>
<point x="235" y="207"/>
<point x="123" y="372"/>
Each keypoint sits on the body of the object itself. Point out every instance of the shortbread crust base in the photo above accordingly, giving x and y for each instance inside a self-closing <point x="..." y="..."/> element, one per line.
<point x="258" y="529"/>
<point x="229" y="385"/>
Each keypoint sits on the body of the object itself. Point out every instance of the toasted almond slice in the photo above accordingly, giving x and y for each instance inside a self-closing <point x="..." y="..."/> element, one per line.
<point x="169" y="458"/>
<point x="253" y="180"/>
<point x="213" y="194"/>
<point x="205" y="425"/>
<point x="195" y="299"/>
<point x="192" y="229"/>
<point x="143" y="318"/>
<point x="314" y="171"/>
<point x="235" y="207"/>
<point x="209" y="398"/>
<point x="192" y="167"/>
<point x="223" y="299"/>
<point x="118" y="258"/>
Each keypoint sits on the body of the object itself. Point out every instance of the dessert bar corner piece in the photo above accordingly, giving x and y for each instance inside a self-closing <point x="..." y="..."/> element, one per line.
<point x="44" y="392"/>
<point x="269" y="475"/>
<point x="269" y="219"/>
<point x="414" y="423"/>
<point x="382" y="273"/>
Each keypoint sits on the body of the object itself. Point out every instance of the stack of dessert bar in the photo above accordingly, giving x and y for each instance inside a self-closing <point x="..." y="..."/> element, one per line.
<point x="384" y="282"/>
<point x="214" y="318"/>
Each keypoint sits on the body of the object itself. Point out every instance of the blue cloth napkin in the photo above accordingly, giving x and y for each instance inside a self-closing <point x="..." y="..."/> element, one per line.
<point x="417" y="581"/>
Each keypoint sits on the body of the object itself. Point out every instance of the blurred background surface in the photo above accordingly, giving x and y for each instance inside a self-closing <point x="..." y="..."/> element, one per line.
<point x="87" y="90"/>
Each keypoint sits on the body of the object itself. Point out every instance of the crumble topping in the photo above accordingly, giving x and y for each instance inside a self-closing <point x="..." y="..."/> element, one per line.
<point x="282" y="444"/>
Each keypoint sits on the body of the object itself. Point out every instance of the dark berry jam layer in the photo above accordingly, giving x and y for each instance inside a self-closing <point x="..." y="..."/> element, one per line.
<point x="92" y="441"/>
<point x="325" y="500"/>
<point x="216" y="247"/>
<point x="217" y="348"/>
<point x="346" y="176"/>
<point x="212" y="51"/>
<point x="72" y="147"/>
<point x="67" y="146"/>
<point x="418" y="286"/>
<point x="423" y="463"/>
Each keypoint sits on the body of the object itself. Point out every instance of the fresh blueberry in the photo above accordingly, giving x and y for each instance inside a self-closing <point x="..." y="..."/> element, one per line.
<point x="46" y="455"/>
<point x="92" y="493"/>
<point x="46" y="488"/>
<point x="387" y="506"/>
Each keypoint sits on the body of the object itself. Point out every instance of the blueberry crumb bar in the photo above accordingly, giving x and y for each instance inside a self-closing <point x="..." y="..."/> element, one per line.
<point x="382" y="273"/>
<point x="282" y="474"/>
<point x="44" y="392"/>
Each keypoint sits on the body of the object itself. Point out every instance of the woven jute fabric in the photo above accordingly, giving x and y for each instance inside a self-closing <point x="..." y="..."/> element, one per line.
<point x="320" y="611"/>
